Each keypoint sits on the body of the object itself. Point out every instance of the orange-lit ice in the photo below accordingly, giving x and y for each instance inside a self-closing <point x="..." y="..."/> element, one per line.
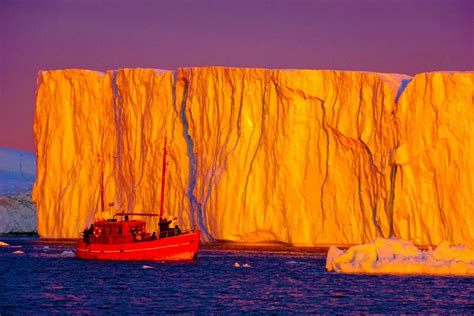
<point x="303" y="157"/>
<point x="393" y="256"/>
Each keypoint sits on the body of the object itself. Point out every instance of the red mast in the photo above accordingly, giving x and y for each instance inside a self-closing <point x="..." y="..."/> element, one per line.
<point x="163" y="181"/>
<point x="101" y="183"/>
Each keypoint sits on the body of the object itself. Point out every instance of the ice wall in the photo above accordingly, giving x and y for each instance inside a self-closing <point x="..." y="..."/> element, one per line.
<point x="17" y="214"/>
<point x="303" y="157"/>
<point x="91" y="125"/>
<point x="434" y="185"/>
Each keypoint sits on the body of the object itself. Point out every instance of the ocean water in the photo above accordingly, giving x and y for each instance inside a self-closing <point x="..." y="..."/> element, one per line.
<point x="48" y="279"/>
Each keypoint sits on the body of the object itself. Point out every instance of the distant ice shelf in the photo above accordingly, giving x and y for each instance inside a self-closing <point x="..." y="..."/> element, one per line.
<point x="17" y="176"/>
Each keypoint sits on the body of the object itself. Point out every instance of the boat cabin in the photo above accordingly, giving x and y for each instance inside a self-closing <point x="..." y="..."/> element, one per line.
<point x="112" y="231"/>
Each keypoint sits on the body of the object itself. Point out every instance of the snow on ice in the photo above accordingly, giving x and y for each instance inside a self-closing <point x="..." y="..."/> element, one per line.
<point x="394" y="256"/>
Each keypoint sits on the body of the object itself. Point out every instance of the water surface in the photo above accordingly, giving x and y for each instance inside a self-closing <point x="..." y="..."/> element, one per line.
<point x="49" y="279"/>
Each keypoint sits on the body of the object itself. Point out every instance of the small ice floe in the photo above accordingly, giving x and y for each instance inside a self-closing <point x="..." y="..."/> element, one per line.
<point x="18" y="252"/>
<point x="147" y="267"/>
<point x="46" y="247"/>
<point x="18" y="246"/>
<point x="394" y="256"/>
<point x="292" y="262"/>
<point x="245" y="265"/>
<point x="3" y="244"/>
<point x="68" y="253"/>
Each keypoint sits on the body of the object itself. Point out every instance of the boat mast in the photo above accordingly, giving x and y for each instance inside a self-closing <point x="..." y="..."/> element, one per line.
<point x="163" y="181"/>
<point x="102" y="207"/>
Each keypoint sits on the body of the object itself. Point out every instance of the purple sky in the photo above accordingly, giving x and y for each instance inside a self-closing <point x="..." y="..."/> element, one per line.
<point x="405" y="36"/>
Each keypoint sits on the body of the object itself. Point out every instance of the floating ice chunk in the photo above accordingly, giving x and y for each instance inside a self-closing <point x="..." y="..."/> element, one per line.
<point x="292" y="262"/>
<point x="3" y="244"/>
<point x="68" y="253"/>
<point x="245" y="265"/>
<point x="393" y="256"/>
<point x="447" y="252"/>
<point x="147" y="267"/>
<point x="18" y="252"/>
<point x="333" y="252"/>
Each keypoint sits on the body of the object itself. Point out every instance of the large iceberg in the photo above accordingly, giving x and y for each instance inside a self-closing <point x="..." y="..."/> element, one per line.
<point x="393" y="256"/>
<point x="303" y="157"/>
<point x="17" y="175"/>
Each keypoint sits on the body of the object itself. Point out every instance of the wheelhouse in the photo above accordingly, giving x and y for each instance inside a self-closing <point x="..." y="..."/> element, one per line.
<point x="112" y="231"/>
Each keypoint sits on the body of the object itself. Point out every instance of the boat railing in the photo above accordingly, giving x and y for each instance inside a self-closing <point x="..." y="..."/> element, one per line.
<point x="107" y="239"/>
<point x="168" y="233"/>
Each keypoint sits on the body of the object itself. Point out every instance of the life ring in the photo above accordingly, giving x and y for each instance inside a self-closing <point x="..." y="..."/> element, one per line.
<point x="97" y="231"/>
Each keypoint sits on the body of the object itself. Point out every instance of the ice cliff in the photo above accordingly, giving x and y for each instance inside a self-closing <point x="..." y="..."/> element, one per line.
<point x="17" y="175"/>
<point x="304" y="157"/>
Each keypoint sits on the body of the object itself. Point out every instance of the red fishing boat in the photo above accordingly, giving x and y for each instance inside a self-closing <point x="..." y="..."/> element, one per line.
<point x="122" y="239"/>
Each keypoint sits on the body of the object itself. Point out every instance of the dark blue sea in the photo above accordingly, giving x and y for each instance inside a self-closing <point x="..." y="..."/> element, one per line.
<point x="48" y="279"/>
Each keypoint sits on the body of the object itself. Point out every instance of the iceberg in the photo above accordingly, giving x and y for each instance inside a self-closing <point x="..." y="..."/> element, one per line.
<point x="300" y="157"/>
<point x="394" y="256"/>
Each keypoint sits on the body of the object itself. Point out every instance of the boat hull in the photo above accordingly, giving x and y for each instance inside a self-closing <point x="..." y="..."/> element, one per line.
<point x="177" y="248"/>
